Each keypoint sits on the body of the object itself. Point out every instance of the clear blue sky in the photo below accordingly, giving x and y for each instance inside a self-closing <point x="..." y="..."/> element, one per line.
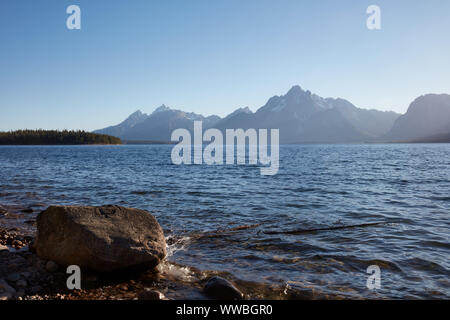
<point x="212" y="56"/>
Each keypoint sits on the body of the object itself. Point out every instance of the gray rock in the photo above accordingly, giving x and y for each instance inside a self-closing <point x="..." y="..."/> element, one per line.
<point x="222" y="289"/>
<point x="51" y="266"/>
<point x="149" y="294"/>
<point x="104" y="239"/>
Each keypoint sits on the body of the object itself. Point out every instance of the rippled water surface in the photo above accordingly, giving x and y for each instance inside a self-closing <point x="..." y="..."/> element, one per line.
<point x="404" y="188"/>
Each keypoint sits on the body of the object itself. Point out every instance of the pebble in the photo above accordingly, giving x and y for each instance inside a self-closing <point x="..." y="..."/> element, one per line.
<point x="124" y="287"/>
<point x="17" y="243"/>
<point x="149" y="294"/>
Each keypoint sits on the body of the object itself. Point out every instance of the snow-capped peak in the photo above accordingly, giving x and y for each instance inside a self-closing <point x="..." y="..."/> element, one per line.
<point x="161" y="109"/>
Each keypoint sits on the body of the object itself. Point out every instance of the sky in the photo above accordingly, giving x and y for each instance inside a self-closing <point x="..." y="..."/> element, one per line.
<point x="212" y="57"/>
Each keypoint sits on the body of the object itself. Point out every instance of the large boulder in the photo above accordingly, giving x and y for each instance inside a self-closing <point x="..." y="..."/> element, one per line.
<point x="105" y="239"/>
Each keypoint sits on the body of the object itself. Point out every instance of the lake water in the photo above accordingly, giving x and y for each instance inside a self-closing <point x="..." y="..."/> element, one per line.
<point x="404" y="188"/>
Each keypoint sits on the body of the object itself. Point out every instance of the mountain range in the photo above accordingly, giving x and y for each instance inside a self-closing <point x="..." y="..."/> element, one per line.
<point x="303" y="117"/>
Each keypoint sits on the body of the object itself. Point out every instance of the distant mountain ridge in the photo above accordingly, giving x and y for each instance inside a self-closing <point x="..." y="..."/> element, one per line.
<point x="302" y="117"/>
<point x="427" y="116"/>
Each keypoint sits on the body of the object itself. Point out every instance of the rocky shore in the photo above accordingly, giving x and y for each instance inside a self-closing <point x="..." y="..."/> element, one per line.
<point x="27" y="275"/>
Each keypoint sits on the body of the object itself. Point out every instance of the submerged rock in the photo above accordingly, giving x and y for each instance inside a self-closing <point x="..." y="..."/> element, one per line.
<point x="105" y="239"/>
<point x="222" y="289"/>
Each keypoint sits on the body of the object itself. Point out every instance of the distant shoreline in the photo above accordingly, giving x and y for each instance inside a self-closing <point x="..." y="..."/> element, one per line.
<point x="56" y="137"/>
<point x="173" y="143"/>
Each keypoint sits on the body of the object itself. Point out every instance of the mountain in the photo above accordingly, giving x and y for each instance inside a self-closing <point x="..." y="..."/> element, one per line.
<point x="157" y="126"/>
<point x="301" y="116"/>
<point x="121" y="129"/>
<point x="427" y="117"/>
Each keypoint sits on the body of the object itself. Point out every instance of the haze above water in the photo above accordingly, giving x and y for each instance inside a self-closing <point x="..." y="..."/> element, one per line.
<point x="404" y="187"/>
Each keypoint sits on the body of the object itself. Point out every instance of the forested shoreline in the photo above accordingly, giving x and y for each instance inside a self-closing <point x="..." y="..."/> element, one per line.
<point x="55" y="137"/>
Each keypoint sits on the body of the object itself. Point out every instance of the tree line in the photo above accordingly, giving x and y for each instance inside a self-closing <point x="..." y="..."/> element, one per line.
<point x="55" y="137"/>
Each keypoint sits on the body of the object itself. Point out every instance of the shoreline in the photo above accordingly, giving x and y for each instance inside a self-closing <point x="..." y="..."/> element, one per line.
<point x="25" y="276"/>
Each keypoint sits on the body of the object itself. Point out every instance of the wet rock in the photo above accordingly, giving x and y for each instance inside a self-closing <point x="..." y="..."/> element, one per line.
<point x="51" y="266"/>
<point x="17" y="244"/>
<point x="149" y="294"/>
<point x="3" y="248"/>
<point x="123" y="287"/>
<point x="222" y="289"/>
<point x="107" y="238"/>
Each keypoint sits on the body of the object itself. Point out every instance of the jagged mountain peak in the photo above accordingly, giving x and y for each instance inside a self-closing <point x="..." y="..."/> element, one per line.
<point x="297" y="91"/>
<point x="135" y="118"/>
<point x="241" y="110"/>
<point x="161" y="108"/>
<point x="295" y="97"/>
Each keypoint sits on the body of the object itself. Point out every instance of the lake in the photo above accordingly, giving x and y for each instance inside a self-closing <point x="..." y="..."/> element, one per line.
<point x="399" y="193"/>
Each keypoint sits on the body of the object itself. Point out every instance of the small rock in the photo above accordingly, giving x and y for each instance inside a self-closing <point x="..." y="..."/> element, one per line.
<point x="123" y="287"/>
<point x="222" y="289"/>
<point x="17" y="244"/>
<point x="20" y="294"/>
<point x="149" y="294"/>
<point x="3" y="248"/>
<point x="51" y="266"/>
